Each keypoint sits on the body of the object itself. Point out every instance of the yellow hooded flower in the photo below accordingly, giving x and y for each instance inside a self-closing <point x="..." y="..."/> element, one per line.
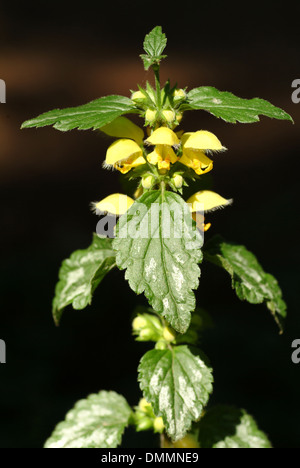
<point x="122" y="127"/>
<point x="205" y="201"/>
<point x="124" y="154"/>
<point x="163" y="155"/>
<point x="115" y="204"/>
<point x="194" y="145"/>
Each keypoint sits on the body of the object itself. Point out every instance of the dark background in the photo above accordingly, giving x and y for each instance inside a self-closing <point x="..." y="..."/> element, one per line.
<point x="65" y="54"/>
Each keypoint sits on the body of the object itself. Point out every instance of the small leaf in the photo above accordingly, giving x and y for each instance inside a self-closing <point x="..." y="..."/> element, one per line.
<point x="229" y="427"/>
<point x="177" y="382"/>
<point x="231" y="108"/>
<point x="159" y="245"/>
<point x="154" y="44"/>
<point x="80" y="275"/>
<point x="93" y="115"/>
<point x="96" y="422"/>
<point x="249" y="280"/>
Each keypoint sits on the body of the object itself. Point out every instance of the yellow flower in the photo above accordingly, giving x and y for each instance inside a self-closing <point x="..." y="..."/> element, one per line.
<point x="194" y="145"/>
<point x="122" y="127"/>
<point x="205" y="201"/>
<point x="163" y="155"/>
<point x="115" y="204"/>
<point x="124" y="154"/>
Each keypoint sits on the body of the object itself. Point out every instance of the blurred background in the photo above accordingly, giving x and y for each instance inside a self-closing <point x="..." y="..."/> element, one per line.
<point x="60" y="55"/>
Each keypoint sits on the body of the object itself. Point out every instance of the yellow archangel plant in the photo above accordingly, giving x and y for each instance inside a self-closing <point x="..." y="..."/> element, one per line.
<point x="166" y="166"/>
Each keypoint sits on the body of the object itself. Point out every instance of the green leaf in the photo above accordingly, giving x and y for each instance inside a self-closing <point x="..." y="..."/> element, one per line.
<point x="96" y="422"/>
<point x="177" y="382"/>
<point x="154" y="44"/>
<point x="159" y="245"/>
<point x="229" y="427"/>
<point x="80" y="275"/>
<point x="249" y="280"/>
<point x="231" y="108"/>
<point x="93" y="115"/>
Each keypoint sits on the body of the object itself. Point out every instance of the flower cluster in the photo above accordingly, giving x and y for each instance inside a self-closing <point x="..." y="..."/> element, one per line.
<point x="165" y="155"/>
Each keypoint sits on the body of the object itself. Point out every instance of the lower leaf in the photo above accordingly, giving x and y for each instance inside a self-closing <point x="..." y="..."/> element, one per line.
<point x="177" y="382"/>
<point x="96" y="422"/>
<point x="229" y="427"/>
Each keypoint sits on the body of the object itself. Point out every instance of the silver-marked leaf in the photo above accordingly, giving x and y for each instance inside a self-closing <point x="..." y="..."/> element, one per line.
<point x="80" y="275"/>
<point x="94" y="114"/>
<point x="249" y="280"/>
<point x="177" y="382"/>
<point x="96" y="422"/>
<point x="159" y="245"/>
<point x="229" y="427"/>
<point x="231" y="108"/>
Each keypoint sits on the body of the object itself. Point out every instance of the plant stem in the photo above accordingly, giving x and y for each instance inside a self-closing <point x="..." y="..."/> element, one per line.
<point x="157" y="85"/>
<point x="163" y="188"/>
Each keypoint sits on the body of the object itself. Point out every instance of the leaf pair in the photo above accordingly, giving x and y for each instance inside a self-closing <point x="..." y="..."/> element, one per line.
<point x="100" y="420"/>
<point x="105" y="110"/>
<point x="163" y="265"/>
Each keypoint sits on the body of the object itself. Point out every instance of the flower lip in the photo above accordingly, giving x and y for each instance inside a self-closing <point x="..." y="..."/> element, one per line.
<point x="121" y="150"/>
<point x="163" y="136"/>
<point x="201" y="140"/>
<point x="206" y="201"/>
<point x="114" y="204"/>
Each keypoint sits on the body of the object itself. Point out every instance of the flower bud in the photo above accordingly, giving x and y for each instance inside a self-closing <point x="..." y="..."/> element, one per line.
<point x="146" y="334"/>
<point x="158" y="424"/>
<point x="179" y="116"/>
<point x="177" y="180"/>
<point x="179" y="95"/>
<point x="147" y="327"/>
<point x="168" y="334"/>
<point x="143" y="424"/>
<point x="161" y="345"/>
<point x="139" y="323"/>
<point x="137" y="95"/>
<point x="150" y="116"/>
<point x="169" y="115"/>
<point x="143" y="404"/>
<point x="148" y="182"/>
